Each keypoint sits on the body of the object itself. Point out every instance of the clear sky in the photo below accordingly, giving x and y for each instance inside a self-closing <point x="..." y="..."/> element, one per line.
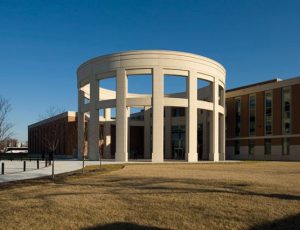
<point x="43" y="42"/>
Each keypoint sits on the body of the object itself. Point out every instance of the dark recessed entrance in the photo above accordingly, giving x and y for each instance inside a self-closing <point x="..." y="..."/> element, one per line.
<point x="136" y="147"/>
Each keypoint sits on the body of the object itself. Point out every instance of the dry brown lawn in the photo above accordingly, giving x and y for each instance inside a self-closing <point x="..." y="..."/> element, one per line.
<point x="248" y="195"/>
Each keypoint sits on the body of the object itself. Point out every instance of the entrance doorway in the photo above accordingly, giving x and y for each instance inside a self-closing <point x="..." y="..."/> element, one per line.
<point x="178" y="142"/>
<point x="136" y="147"/>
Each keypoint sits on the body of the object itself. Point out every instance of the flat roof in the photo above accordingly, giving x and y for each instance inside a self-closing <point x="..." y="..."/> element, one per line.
<point x="56" y="117"/>
<point x="255" y="84"/>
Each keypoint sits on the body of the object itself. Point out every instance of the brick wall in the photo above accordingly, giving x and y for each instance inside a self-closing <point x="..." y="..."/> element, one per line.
<point x="260" y="129"/>
<point x="296" y="109"/>
<point x="295" y="114"/>
<point x="277" y="111"/>
<point x="39" y="137"/>
<point x="245" y="116"/>
<point x="230" y="118"/>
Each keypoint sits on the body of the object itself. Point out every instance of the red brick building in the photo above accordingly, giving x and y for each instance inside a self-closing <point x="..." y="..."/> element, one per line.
<point x="60" y="131"/>
<point x="263" y="121"/>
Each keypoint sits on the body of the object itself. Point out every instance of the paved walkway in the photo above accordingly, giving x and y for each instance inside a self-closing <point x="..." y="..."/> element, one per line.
<point x="14" y="169"/>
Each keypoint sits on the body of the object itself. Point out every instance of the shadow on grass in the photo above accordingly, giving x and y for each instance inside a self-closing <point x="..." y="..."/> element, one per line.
<point x="141" y="186"/>
<point x="121" y="225"/>
<point x="290" y="223"/>
<point x="119" y="185"/>
<point x="126" y="187"/>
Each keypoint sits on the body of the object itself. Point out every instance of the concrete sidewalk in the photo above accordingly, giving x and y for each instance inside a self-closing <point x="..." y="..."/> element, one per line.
<point x="14" y="169"/>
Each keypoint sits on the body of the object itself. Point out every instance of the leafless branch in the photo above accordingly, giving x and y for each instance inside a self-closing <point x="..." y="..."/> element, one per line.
<point x="5" y="126"/>
<point x="51" y="112"/>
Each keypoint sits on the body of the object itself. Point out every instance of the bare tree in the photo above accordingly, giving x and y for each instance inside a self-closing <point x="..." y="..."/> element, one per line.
<point x="51" y="112"/>
<point x="52" y="137"/>
<point x="5" y="126"/>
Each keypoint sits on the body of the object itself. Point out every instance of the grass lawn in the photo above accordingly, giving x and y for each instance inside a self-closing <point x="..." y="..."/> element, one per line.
<point x="248" y="195"/>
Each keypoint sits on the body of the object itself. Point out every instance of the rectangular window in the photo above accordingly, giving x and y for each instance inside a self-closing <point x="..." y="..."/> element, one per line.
<point x="268" y="146"/>
<point x="178" y="112"/>
<point x="286" y="110"/>
<point x="251" y="147"/>
<point x="178" y="141"/>
<point x="237" y="105"/>
<point x="285" y="146"/>
<point x="268" y="113"/>
<point x="237" y="147"/>
<point x="252" y="111"/>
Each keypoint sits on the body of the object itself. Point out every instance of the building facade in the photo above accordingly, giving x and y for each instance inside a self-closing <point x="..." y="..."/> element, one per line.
<point x="156" y="131"/>
<point x="57" y="134"/>
<point x="263" y="121"/>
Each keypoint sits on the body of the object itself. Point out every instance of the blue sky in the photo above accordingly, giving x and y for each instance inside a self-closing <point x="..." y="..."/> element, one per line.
<point x="43" y="42"/>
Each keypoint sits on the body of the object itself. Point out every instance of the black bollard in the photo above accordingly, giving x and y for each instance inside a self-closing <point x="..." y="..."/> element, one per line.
<point x="2" y="169"/>
<point x="37" y="163"/>
<point x="46" y="163"/>
<point x="24" y="166"/>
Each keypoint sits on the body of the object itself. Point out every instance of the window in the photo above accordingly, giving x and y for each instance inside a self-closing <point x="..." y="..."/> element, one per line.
<point x="237" y="147"/>
<point x="178" y="112"/>
<point x="178" y="141"/>
<point x="251" y="147"/>
<point x="285" y="146"/>
<point x="237" y="116"/>
<point x="286" y="110"/>
<point x="268" y="113"/>
<point x="268" y="146"/>
<point x="252" y="110"/>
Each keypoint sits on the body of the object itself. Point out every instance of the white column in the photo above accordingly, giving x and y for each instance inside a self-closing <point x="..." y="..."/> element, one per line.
<point x="192" y="126"/>
<point x="147" y="132"/>
<point x="168" y="117"/>
<point x="223" y="128"/>
<point x="158" y="115"/>
<point x="214" y="123"/>
<point x="205" y="135"/>
<point x="93" y="130"/>
<point x="222" y="137"/>
<point x="107" y="133"/>
<point x="107" y="114"/>
<point x="121" y="117"/>
<point x="80" y="125"/>
<point x="128" y="130"/>
<point x="224" y="121"/>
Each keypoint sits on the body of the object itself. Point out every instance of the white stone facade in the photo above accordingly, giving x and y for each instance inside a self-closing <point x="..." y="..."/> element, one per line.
<point x="156" y="63"/>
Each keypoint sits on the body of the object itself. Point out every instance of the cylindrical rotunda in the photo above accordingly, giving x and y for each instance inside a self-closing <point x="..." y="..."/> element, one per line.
<point x="157" y="64"/>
